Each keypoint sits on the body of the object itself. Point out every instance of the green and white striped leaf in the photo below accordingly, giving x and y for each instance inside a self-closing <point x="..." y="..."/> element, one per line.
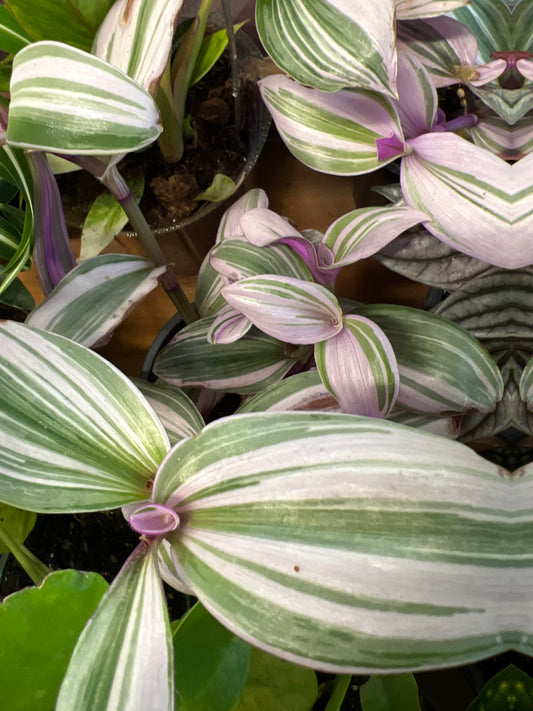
<point x="508" y="142"/>
<point x="236" y="259"/>
<point x="362" y="232"/>
<point x="349" y="544"/>
<point x="95" y="297"/>
<point x="64" y="100"/>
<point x="511" y="104"/>
<point x="492" y="200"/>
<point x="72" y="21"/>
<point x="526" y="385"/>
<point x="333" y="133"/>
<point x="178" y="414"/>
<point x="136" y="36"/>
<point x="13" y="37"/>
<point x="331" y="44"/>
<point x="443" y="369"/>
<point x="412" y="9"/>
<point x="230" y="225"/>
<point x="359" y="368"/>
<point x="246" y="366"/>
<point x="75" y="434"/>
<point x="303" y="391"/>
<point x="292" y="310"/>
<point x="124" y="656"/>
<point x="495" y="26"/>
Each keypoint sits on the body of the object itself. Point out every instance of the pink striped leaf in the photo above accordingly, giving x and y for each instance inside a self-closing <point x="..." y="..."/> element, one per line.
<point x="359" y="368"/>
<point x="229" y="325"/>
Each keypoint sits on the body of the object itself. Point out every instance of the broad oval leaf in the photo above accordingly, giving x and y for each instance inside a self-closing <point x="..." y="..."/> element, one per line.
<point x="331" y="44"/>
<point x="347" y="538"/>
<point x="75" y="434"/>
<point x="67" y="101"/>
<point x="333" y="133"/>
<point x="123" y="658"/>
<point x="443" y="369"/>
<point x="286" y="308"/>
<point x="359" y="368"/>
<point x="246" y="366"/>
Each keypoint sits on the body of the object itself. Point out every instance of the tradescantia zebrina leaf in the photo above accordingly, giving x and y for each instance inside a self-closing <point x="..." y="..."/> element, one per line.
<point x="331" y="44"/>
<point x="67" y="101"/>
<point x="75" y="434"/>
<point x="411" y="9"/>
<point x="123" y="658"/>
<point x="350" y="544"/>
<point x="95" y="297"/>
<point x="442" y="367"/>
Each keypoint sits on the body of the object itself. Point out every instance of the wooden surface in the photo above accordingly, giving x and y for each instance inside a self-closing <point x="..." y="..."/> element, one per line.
<point x="309" y="199"/>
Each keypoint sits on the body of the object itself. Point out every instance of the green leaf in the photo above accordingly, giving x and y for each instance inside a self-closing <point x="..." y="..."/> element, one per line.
<point x="389" y="693"/>
<point x="57" y="91"/>
<point x="123" y="658"/>
<point x="72" y="21"/>
<point x="13" y="37"/>
<point x="210" y="52"/>
<point x="211" y="663"/>
<point x="275" y="684"/>
<point x="18" y="296"/>
<point x="17" y="522"/>
<point x="106" y="218"/>
<point x="341" y="685"/>
<point x="84" y="436"/>
<point x="509" y="690"/>
<point x="39" y="628"/>
<point x="220" y="189"/>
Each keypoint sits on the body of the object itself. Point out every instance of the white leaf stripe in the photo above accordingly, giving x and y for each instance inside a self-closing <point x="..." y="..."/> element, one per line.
<point x="411" y="9"/>
<point x="94" y="297"/>
<point x="342" y="529"/>
<point x="65" y="100"/>
<point x="72" y="426"/>
<point x="123" y="658"/>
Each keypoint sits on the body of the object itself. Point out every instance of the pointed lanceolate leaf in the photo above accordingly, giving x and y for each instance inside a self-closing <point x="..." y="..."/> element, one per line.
<point x="362" y="232"/>
<point x="411" y="9"/>
<point x="229" y="325"/>
<point x="331" y="44"/>
<point x="359" y="368"/>
<point x="360" y="545"/>
<point x="95" y="297"/>
<point x="236" y="259"/>
<point x="442" y="367"/>
<point x="136" y="36"/>
<point x="123" y="659"/>
<point x="303" y="391"/>
<point x="13" y="37"/>
<point x="230" y="224"/>
<point x="67" y="101"/>
<point x="333" y="133"/>
<point x="289" y="309"/>
<point x="75" y="434"/>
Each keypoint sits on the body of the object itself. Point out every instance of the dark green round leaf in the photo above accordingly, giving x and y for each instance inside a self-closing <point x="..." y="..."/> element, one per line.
<point x="509" y="690"/>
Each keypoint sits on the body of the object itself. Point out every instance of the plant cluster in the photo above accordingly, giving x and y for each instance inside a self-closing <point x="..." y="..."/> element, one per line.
<point x="334" y="520"/>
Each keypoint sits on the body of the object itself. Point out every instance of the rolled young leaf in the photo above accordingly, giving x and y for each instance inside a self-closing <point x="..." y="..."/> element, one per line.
<point x="67" y="101"/>
<point x="123" y="658"/>
<point x="359" y="368"/>
<point x="350" y="544"/>
<point x="331" y="44"/>
<point x="95" y="297"/>
<point x="75" y="434"/>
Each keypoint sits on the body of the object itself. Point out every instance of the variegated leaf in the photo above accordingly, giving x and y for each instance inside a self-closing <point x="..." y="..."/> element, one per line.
<point x="417" y="97"/>
<point x="136" y="36"/>
<point x="507" y="142"/>
<point x="443" y="369"/>
<point x="67" y="101"/>
<point x="95" y="297"/>
<point x="230" y="224"/>
<point x="362" y="232"/>
<point x="331" y="44"/>
<point x="228" y="326"/>
<point x="333" y="133"/>
<point x="124" y="656"/>
<point x="286" y="308"/>
<point x="262" y="226"/>
<point x="350" y="544"/>
<point x="474" y="199"/>
<point x="246" y="366"/>
<point x="75" y="434"/>
<point x="412" y="9"/>
<point x="526" y="384"/>
<point x="303" y="391"/>
<point x="495" y="25"/>
<point x="178" y="414"/>
<point x="359" y="368"/>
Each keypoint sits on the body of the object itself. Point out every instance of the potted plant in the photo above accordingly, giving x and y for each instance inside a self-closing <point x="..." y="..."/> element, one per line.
<point x="350" y="543"/>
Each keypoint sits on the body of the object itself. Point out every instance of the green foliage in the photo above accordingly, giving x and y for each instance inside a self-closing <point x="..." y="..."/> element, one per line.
<point x="211" y="663"/>
<point x="509" y="690"/>
<point x="17" y="523"/>
<point x="38" y="630"/>
<point x="390" y="693"/>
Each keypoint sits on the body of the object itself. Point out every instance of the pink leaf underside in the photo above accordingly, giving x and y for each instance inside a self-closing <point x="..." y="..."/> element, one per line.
<point x="417" y="98"/>
<point x="288" y="309"/>
<point x="261" y="227"/>
<point x="230" y="224"/>
<point x="525" y="67"/>
<point x="476" y="201"/>
<point x="349" y="373"/>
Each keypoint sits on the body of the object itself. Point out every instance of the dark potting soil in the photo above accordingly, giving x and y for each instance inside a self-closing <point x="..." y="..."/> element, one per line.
<point x="219" y="146"/>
